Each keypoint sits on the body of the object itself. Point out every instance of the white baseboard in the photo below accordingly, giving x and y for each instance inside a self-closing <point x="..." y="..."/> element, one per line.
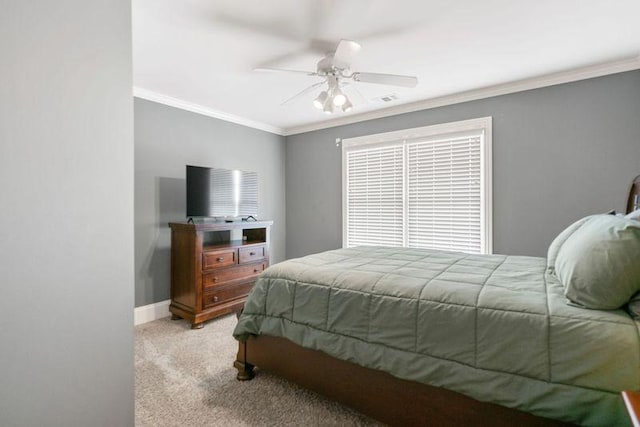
<point x="151" y="312"/>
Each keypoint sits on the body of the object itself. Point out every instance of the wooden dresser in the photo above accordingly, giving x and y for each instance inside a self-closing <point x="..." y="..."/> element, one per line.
<point x="214" y="266"/>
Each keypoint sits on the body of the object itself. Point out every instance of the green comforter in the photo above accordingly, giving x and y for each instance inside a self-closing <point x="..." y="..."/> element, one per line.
<point x="493" y="327"/>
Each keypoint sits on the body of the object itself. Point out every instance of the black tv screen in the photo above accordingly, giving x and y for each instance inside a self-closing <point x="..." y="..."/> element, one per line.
<point x="214" y="192"/>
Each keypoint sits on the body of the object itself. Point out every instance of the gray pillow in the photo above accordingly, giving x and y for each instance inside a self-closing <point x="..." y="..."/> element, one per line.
<point x="599" y="262"/>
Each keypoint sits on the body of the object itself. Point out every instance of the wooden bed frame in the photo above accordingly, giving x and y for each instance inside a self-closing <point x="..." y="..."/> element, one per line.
<point x="376" y="393"/>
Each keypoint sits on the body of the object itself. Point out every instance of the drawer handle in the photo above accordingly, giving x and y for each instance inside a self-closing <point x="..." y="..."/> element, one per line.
<point x="215" y="279"/>
<point x="256" y="270"/>
<point x="220" y="259"/>
<point x="252" y="253"/>
<point x="215" y="299"/>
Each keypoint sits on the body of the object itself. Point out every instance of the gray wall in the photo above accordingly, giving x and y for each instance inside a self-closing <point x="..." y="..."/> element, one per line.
<point x="559" y="153"/>
<point x="167" y="139"/>
<point x="66" y="223"/>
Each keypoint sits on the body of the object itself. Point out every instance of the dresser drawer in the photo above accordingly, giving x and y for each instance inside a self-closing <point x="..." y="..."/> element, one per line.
<point x="233" y="273"/>
<point x="252" y="253"/>
<point x="217" y="259"/>
<point x="221" y="294"/>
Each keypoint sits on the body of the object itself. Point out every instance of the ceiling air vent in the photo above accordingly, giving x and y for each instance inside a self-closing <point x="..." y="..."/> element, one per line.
<point x="387" y="98"/>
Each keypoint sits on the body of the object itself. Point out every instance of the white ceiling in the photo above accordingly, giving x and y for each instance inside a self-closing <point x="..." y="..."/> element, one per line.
<point x="202" y="53"/>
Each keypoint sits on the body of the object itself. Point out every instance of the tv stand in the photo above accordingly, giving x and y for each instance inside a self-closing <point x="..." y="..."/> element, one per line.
<point x="214" y="266"/>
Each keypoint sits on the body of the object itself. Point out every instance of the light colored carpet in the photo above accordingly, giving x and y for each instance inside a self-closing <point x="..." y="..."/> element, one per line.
<point x="185" y="377"/>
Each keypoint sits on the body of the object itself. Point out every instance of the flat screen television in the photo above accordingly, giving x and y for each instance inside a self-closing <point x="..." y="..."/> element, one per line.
<point x="221" y="193"/>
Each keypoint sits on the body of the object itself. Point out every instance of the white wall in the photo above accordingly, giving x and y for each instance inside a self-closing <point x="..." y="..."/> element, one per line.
<point x="66" y="220"/>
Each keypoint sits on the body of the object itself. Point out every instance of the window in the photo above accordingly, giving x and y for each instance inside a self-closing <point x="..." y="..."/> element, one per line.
<point x="427" y="187"/>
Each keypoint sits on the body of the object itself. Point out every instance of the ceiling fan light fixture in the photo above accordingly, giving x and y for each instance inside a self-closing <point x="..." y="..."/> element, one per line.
<point x="339" y="98"/>
<point x="335" y="69"/>
<point x="321" y="100"/>
<point x="328" y="106"/>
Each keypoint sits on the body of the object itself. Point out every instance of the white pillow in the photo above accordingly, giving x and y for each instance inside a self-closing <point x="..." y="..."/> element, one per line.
<point x="633" y="215"/>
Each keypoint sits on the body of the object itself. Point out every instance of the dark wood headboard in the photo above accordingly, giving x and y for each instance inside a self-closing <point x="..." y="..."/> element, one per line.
<point x="634" y="195"/>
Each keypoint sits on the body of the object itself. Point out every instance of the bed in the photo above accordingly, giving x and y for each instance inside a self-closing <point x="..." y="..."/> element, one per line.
<point x="414" y="337"/>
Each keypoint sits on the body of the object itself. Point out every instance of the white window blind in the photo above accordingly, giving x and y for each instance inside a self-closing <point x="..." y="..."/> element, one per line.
<point x="424" y="188"/>
<point x="375" y="185"/>
<point x="443" y="183"/>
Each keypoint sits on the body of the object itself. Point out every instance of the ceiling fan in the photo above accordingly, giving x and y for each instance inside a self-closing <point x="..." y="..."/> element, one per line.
<point x="335" y="68"/>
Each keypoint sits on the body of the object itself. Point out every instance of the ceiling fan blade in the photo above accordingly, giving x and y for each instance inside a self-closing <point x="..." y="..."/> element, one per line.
<point x="344" y="53"/>
<point x="274" y="62"/>
<point x="282" y="70"/>
<point x="386" y="79"/>
<point x="315" y="46"/>
<point x="303" y="92"/>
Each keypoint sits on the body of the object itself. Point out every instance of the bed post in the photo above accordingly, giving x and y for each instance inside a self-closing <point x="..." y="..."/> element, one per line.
<point x="245" y="370"/>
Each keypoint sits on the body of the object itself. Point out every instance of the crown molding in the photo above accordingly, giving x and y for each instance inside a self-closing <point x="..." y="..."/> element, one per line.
<point x="568" y="76"/>
<point x="149" y="95"/>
